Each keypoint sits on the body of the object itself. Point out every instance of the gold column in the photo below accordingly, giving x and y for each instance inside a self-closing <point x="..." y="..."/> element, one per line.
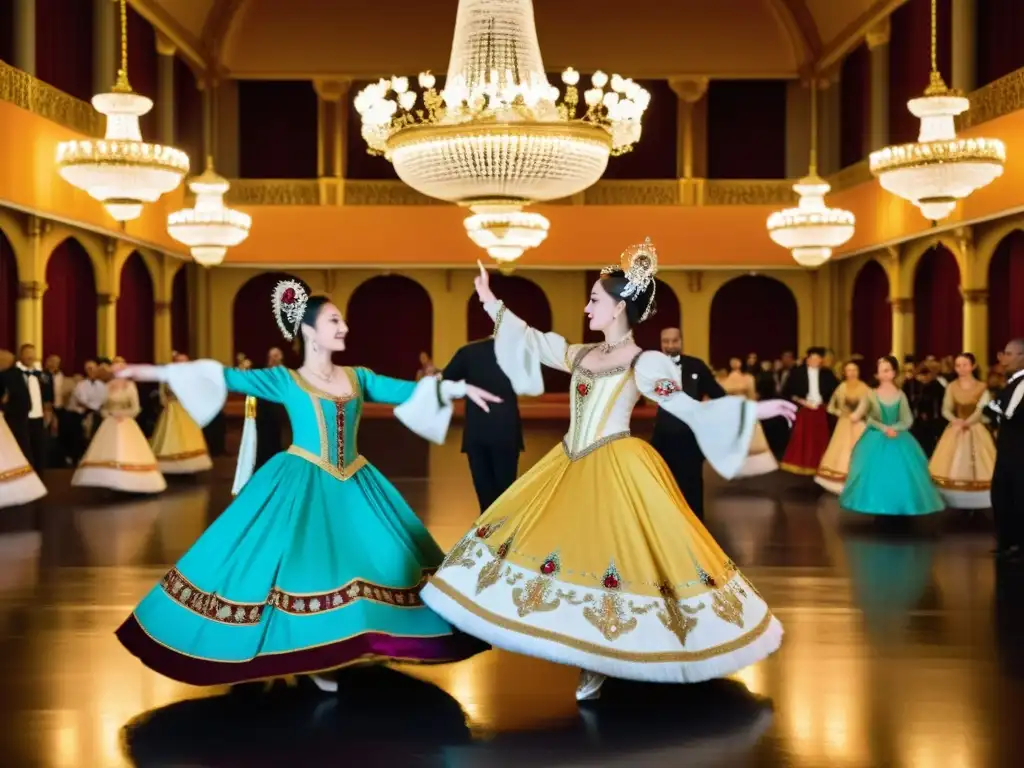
<point x="31" y="288"/>
<point x="902" y="327"/>
<point x="25" y="35"/>
<point x="689" y="92"/>
<point x="976" y="323"/>
<point x="106" y="324"/>
<point x="965" y="46"/>
<point x="878" y="45"/>
<point x="165" y="50"/>
<point x="162" y="341"/>
<point x="332" y="120"/>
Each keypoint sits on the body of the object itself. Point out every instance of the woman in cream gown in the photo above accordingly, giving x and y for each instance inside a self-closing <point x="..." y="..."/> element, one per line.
<point x="593" y="557"/>
<point x="118" y="457"/>
<point x="19" y="484"/>
<point x="965" y="456"/>
<point x="760" y="460"/>
<point x="178" y="441"/>
<point x="835" y="464"/>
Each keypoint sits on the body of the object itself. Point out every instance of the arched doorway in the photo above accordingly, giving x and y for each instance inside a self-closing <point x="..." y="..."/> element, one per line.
<point x="648" y="333"/>
<point x="1005" y="310"/>
<point x="8" y="296"/>
<point x="181" y="325"/>
<point x="870" y="313"/>
<point x="391" y="321"/>
<point x="69" y="306"/>
<point x="752" y="313"/>
<point x="529" y="302"/>
<point x="135" y="310"/>
<point x="938" y="306"/>
<point x="255" y="328"/>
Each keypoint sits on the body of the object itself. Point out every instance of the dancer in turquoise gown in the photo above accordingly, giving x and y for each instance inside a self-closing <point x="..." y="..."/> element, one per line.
<point x="888" y="470"/>
<point x="318" y="562"/>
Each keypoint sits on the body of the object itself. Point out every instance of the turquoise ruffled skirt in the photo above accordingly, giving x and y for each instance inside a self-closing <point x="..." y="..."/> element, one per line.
<point x="303" y="573"/>
<point x="889" y="476"/>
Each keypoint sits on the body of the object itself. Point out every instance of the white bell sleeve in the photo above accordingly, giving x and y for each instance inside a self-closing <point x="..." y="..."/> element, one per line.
<point x="522" y="350"/>
<point x="723" y="427"/>
<point x="247" y="450"/>
<point x="423" y="407"/>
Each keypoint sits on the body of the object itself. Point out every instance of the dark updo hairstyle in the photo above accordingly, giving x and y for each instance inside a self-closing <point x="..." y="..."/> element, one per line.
<point x="312" y="311"/>
<point x="614" y="283"/>
<point x="974" y="363"/>
<point x="891" y="360"/>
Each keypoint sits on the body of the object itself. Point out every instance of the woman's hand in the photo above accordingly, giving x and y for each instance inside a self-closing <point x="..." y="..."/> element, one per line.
<point x="481" y="397"/>
<point x="890" y="432"/>
<point x="482" y="283"/>
<point x="139" y="372"/>
<point x="958" y="423"/>
<point x="770" y="409"/>
<point x="855" y="418"/>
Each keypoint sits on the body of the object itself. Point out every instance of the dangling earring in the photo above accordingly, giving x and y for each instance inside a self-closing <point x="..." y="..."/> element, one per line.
<point x="313" y="345"/>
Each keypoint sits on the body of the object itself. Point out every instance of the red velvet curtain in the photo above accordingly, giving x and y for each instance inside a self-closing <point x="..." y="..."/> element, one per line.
<point x="7" y="31"/>
<point x="391" y="321"/>
<point x="69" y="306"/>
<point x="871" y="313"/>
<point x="135" y="310"/>
<point x="648" y="333"/>
<point x="277" y="129"/>
<point x="255" y="328"/>
<point x="752" y="313"/>
<point x="740" y="146"/>
<point x="1000" y="30"/>
<point x="528" y="301"/>
<point x="1005" y="278"/>
<point x="938" y="306"/>
<point x="181" y="325"/>
<point x="143" y="69"/>
<point x="855" y="105"/>
<point x="8" y="296"/>
<point x="910" y="61"/>
<point x="64" y="45"/>
<point x="188" y="115"/>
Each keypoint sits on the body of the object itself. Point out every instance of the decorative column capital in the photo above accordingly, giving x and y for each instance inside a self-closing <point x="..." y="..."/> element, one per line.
<point x="903" y="306"/>
<point x="974" y="295"/>
<point x="164" y="45"/>
<point x="334" y="89"/>
<point x="106" y="299"/>
<point x="31" y="290"/>
<point x="689" y="89"/>
<point x="695" y="281"/>
<point x="879" y="34"/>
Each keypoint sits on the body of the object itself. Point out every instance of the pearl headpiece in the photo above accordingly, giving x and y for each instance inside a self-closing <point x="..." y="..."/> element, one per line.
<point x="289" y="303"/>
<point x="640" y="263"/>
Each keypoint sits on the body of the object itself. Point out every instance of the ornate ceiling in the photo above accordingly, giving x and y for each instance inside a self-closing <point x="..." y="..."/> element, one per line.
<point x="660" y="38"/>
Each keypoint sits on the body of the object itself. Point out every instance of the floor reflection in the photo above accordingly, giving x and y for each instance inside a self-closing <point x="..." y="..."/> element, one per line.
<point x="903" y="647"/>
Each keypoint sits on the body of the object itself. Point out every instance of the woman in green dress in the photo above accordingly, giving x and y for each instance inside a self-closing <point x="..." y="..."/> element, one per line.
<point x="888" y="470"/>
<point x="318" y="563"/>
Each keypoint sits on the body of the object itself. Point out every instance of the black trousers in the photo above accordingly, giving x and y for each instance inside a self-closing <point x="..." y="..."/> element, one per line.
<point x="686" y="463"/>
<point x="36" y="453"/>
<point x="494" y="469"/>
<point x="1008" y="501"/>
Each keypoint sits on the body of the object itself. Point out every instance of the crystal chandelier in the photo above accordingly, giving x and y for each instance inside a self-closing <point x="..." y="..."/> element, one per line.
<point x="497" y="137"/>
<point x="940" y="168"/>
<point x="209" y="227"/>
<point x="812" y="229"/>
<point x="121" y="170"/>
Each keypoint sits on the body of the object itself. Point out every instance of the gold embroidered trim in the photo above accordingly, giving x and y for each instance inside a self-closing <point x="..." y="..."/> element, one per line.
<point x="209" y="605"/>
<point x="950" y="484"/>
<point x="598" y="650"/>
<point x="15" y="474"/>
<point x="830" y="474"/>
<point x="346" y="473"/>
<point x="182" y="456"/>
<point x="498" y="317"/>
<point x="309" y="389"/>
<point x="794" y="469"/>
<point x="600" y="443"/>
<point x="250" y="407"/>
<point x="118" y="465"/>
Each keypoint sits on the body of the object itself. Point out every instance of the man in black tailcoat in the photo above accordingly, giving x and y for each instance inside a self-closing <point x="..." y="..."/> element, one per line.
<point x="1007" y="410"/>
<point x="672" y="438"/>
<point x="491" y="441"/>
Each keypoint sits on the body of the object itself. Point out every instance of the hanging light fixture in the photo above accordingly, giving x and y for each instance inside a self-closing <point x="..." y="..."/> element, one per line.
<point x="209" y="227"/>
<point x="497" y="138"/>
<point x="939" y="169"/>
<point x="811" y="230"/>
<point x="121" y="170"/>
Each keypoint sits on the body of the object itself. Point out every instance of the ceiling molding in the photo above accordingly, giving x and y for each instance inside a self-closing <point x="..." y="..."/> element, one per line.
<point x="167" y="25"/>
<point x="802" y="30"/>
<point x="855" y="32"/>
<point x="217" y="27"/>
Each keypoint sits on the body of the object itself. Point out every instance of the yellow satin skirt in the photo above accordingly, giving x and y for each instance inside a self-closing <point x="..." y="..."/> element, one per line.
<point x="178" y="442"/>
<point x="835" y="464"/>
<point x="598" y="562"/>
<point x="962" y="467"/>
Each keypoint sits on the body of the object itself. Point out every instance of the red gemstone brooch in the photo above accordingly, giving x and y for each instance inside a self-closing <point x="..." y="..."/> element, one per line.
<point x="665" y="387"/>
<point x="583" y="389"/>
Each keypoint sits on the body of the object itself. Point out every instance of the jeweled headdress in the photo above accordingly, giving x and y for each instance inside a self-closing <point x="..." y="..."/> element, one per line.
<point x="640" y="263"/>
<point x="289" y="302"/>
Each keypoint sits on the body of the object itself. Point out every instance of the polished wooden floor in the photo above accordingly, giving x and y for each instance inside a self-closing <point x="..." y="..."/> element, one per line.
<point x="903" y="648"/>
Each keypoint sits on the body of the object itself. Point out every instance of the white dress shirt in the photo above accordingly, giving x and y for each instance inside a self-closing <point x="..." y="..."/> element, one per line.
<point x="90" y="395"/>
<point x="35" y="391"/>
<point x="813" y="386"/>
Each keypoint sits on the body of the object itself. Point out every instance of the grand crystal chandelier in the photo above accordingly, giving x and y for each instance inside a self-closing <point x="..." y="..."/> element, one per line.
<point x="496" y="138"/>
<point x="940" y="168"/>
<point x="121" y="170"/>
<point x="811" y="230"/>
<point x="209" y="227"/>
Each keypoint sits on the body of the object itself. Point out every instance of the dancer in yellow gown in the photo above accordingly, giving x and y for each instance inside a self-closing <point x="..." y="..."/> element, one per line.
<point x="178" y="441"/>
<point x="593" y="558"/>
<point x="835" y="464"/>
